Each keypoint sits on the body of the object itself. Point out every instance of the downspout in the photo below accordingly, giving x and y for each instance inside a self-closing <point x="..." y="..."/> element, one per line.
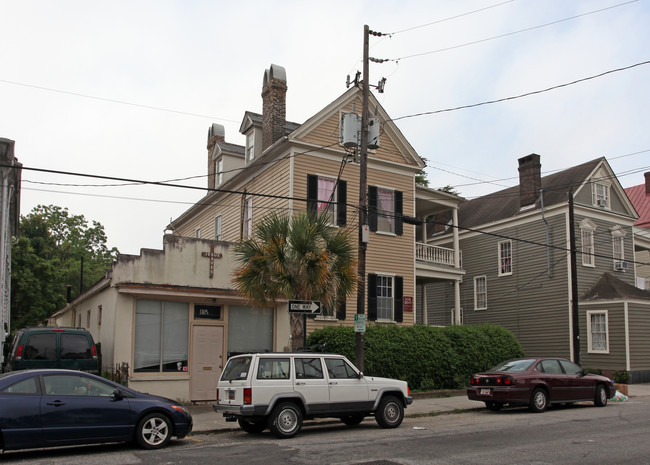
<point x="548" y="238"/>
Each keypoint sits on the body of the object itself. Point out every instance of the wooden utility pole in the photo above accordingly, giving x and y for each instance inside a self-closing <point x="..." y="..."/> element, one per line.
<point x="363" y="201"/>
<point x="575" y="316"/>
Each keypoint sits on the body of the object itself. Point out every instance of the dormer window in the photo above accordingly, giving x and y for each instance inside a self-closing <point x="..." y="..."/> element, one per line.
<point x="218" y="168"/>
<point x="250" y="147"/>
<point x="600" y="195"/>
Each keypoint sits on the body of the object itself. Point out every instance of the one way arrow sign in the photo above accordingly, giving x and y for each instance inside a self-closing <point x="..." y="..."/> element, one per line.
<point x="305" y="306"/>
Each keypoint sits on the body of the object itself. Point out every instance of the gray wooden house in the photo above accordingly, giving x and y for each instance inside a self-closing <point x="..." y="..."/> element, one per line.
<point x="515" y="247"/>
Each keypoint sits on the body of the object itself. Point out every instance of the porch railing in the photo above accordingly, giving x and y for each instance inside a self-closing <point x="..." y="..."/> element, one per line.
<point x="434" y="254"/>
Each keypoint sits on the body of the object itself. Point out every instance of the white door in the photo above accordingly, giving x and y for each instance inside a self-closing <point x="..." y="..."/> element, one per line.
<point x="207" y="361"/>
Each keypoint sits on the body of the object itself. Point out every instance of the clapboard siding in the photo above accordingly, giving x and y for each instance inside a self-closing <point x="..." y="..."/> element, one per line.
<point x="615" y="358"/>
<point x="639" y="339"/>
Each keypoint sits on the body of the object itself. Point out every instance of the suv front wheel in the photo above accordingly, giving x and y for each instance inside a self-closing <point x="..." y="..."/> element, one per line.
<point x="286" y="420"/>
<point x="390" y="412"/>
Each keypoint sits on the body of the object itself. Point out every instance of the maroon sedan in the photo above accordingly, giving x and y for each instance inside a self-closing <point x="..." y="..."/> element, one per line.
<point x="538" y="382"/>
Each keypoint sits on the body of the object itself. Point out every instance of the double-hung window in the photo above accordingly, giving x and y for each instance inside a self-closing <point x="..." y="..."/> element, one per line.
<point x="327" y="196"/>
<point x="247" y="218"/>
<point x="480" y="293"/>
<point x="598" y="331"/>
<point x="385" y="297"/>
<point x="587" y="229"/>
<point x="600" y="194"/>
<point x="505" y="258"/>
<point x="219" y="171"/>
<point x="618" y="246"/>
<point x="217" y="228"/>
<point x="385" y="210"/>
<point x="250" y="147"/>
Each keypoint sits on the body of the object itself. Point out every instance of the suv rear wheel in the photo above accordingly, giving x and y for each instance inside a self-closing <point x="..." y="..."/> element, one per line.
<point x="390" y="412"/>
<point x="286" y="420"/>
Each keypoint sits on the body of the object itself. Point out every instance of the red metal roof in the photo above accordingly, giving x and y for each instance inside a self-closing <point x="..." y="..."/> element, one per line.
<point x="641" y="203"/>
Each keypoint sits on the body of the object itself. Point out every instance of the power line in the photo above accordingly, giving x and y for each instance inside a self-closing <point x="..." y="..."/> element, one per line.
<point x="527" y="94"/>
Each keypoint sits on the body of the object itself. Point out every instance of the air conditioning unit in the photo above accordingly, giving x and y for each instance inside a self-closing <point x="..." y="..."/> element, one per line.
<point x="621" y="265"/>
<point x="601" y="202"/>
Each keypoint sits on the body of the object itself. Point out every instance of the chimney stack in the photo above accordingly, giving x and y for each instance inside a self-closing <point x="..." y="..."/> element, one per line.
<point x="647" y="183"/>
<point x="274" y="105"/>
<point x="530" y="179"/>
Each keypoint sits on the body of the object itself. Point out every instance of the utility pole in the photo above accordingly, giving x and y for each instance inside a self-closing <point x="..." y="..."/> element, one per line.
<point x="363" y="201"/>
<point x="575" y="317"/>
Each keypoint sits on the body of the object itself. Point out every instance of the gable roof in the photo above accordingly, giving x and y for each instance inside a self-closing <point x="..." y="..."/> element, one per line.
<point x="641" y="202"/>
<point x="608" y="287"/>
<point x="505" y="203"/>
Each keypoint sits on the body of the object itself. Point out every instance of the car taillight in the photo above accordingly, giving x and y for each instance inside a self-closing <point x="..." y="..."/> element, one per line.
<point x="473" y="381"/>
<point x="505" y="381"/>
<point x="217" y="394"/>
<point x="408" y="390"/>
<point x="19" y="352"/>
<point x="248" y="396"/>
<point x="94" y="351"/>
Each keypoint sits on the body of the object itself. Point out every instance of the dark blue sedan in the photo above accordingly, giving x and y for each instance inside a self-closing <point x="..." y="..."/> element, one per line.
<point x="47" y="408"/>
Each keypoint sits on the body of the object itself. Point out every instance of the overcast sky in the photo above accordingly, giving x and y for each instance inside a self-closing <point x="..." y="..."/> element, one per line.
<point x="128" y="89"/>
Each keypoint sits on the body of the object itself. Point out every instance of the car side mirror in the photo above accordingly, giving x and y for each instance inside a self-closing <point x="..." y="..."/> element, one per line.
<point x="360" y="375"/>
<point x="118" y="395"/>
<point x="584" y="373"/>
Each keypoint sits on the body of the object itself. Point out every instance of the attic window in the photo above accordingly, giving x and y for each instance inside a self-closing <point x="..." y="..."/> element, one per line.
<point x="600" y="195"/>
<point x="250" y="147"/>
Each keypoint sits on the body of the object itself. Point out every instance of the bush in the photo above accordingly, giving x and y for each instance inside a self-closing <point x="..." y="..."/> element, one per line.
<point x="426" y="357"/>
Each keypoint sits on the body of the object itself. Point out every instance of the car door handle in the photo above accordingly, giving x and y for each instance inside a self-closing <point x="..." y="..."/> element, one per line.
<point x="300" y="383"/>
<point x="56" y="403"/>
<point x="334" y="382"/>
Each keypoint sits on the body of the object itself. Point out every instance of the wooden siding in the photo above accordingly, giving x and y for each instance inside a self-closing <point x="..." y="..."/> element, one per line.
<point x="639" y="317"/>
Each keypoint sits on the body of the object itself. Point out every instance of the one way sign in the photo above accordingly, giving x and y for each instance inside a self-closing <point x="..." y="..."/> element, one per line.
<point x="304" y="306"/>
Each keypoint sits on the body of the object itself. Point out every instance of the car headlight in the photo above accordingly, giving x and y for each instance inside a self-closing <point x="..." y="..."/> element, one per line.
<point x="179" y="408"/>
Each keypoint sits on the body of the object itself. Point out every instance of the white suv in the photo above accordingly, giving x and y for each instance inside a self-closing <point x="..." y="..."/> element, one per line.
<point x="279" y="390"/>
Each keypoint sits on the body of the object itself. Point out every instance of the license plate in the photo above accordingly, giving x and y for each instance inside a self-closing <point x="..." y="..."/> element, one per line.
<point x="484" y="392"/>
<point x="231" y="395"/>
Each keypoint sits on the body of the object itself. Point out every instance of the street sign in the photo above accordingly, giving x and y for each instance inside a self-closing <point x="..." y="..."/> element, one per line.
<point x="305" y="306"/>
<point x="359" y="323"/>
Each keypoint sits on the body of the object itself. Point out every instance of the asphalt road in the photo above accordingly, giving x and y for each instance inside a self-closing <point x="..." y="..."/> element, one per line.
<point x="581" y="434"/>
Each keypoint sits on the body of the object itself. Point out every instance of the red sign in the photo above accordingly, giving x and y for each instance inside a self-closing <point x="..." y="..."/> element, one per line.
<point x="408" y="304"/>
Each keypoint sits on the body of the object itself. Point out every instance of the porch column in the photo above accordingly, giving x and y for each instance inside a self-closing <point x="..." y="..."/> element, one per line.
<point x="456" y="264"/>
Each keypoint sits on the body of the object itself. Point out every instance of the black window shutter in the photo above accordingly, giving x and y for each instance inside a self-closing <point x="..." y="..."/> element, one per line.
<point x="372" y="207"/>
<point x="340" y="310"/>
<point x="372" y="297"/>
<point x="312" y="193"/>
<point x="342" y="201"/>
<point x="399" y="223"/>
<point x="399" y="299"/>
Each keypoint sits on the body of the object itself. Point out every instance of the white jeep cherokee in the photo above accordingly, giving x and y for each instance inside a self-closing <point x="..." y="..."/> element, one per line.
<point x="279" y="390"/>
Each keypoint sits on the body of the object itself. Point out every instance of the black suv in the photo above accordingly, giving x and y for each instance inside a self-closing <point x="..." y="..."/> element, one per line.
<point x="52" y="347"/>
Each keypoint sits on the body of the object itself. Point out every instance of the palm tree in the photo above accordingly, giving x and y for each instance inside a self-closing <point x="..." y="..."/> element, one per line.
<point x="298" y="257"/>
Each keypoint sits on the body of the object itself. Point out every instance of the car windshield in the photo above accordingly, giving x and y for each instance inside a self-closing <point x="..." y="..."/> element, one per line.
<point x="514" y="366"/>
<point x="236" y="368"/>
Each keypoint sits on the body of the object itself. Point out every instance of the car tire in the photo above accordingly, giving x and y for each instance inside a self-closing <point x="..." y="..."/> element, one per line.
<point x="252" y="425"/>
<point x="390" y="412"/>
<point x="352" y="420"/>
<point x="494" y="406"/>
<point x="286" y="420"/>
<point x="538" y="401"/>
<point x="154" y="431"/>
<point x="600" y="400"/>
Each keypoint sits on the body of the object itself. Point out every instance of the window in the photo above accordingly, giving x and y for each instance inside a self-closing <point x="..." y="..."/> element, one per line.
<point x="99" y="315"/>
<point x="217" y="228"/>
<point x="26" y="386"/>
<point x="328" y="196"/>
<point x="247" y="218"/>
<point x="197" y="233"/>
<point x="480" y="293"/>
<point x="218" y="168"/>
<point x="75" y="347"/>
<point x="618" y="247"/>
<point x="250" y="147"/>
<point x="598" y="335"/>
<point x="273" y="368"/>
<point x="600" y="194"/>
<point x="551" y="367"/>
<point x="505" y="258"/>
<point x="587" y="229"/>
<point x="385" y="210"/>
<point x="161" y="330"/>
<point x="40" y="347"/>
<point x="385" y="298"/>
<point x="309" y="368"/>
<point x="570" y="368"/>
<point x="337" y="368"/>
<point x="73" y="385"/>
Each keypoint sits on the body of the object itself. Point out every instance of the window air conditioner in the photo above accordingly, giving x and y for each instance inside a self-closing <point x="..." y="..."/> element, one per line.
<point x="601" y="202"/>
<point x="620" y="265"/>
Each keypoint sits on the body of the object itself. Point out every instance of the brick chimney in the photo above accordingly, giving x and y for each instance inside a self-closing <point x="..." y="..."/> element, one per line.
<point x="530" y="179"/>
<point x="647" y="183"/>
<point x="274" y="105"/>
<point x="216" y="134"/>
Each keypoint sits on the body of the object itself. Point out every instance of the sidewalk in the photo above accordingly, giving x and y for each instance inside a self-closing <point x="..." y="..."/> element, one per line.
<point x="207" y="420"/>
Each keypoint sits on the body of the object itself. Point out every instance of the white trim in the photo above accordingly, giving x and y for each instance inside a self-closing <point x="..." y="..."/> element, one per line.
<point x="476" y="307"/>
<point x="500" y="268"/>
<point x="590" y="349"/>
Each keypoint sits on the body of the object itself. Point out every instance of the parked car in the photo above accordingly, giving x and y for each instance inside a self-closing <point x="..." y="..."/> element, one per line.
<point x="280" y="390"/>
<point x="46" y="408"/>
<point x="52" y="347"/>
<point x="537" y="383"/>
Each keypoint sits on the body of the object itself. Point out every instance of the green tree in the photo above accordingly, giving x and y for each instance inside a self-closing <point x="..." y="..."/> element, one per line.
<point x="47" y="257"/>
<point x="296" y="257"/>
<point x="421" y="176"/>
